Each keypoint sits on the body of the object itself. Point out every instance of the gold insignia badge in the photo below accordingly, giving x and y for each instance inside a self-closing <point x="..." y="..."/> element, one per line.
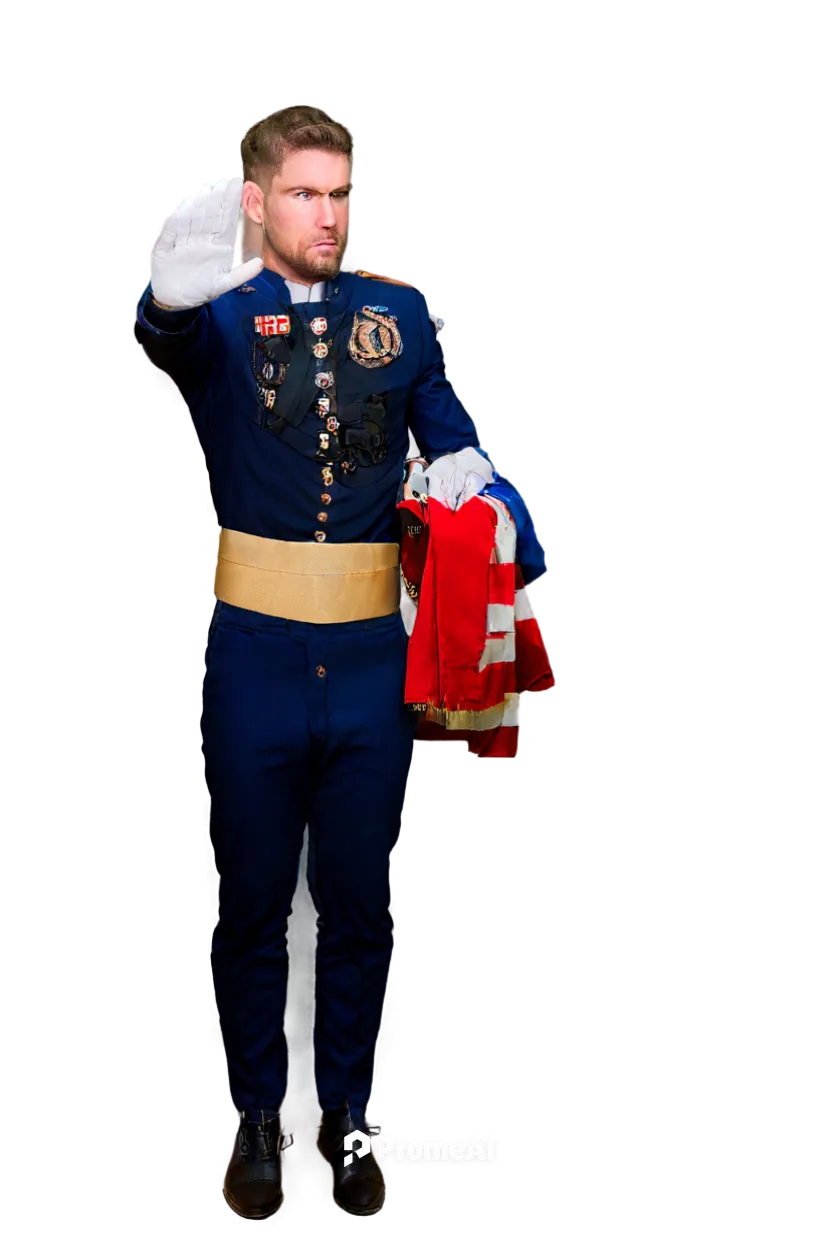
<point x="375" y="338"/>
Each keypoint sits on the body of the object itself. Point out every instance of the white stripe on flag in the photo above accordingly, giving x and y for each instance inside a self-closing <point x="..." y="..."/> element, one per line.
<point x="498" y="649"/>
<point x="500" y="617"/>
<point x="522" y="605"/>
<point x="511" y="713"/>
<point x="505" y="540"/>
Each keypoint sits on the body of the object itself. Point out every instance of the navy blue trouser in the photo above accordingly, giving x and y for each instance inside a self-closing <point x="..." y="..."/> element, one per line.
<point x="303" y="723"/>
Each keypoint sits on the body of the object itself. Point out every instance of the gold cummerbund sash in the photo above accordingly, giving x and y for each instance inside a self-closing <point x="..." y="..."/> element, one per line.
<point x="306" y="580"/>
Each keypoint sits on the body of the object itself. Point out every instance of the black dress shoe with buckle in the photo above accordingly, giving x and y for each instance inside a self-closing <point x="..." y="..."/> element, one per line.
<point x="358" y="1187"/>
<point x="253" y="1182"/>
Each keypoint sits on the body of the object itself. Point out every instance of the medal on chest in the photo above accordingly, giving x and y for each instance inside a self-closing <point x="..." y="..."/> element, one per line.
<point x="375" y="338"/>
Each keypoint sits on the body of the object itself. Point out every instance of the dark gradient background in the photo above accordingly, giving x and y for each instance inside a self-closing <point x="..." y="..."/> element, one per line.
<point x="627" y="977"/>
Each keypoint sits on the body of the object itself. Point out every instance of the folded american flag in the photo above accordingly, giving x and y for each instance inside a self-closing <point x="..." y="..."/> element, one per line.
<point x="474" y="643"/>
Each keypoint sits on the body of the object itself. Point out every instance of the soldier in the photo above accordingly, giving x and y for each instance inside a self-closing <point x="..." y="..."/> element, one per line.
<point x="303" y="381"/>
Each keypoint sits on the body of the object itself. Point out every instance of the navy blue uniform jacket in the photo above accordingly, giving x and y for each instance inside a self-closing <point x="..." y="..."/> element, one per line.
<point x="257" y="406"/>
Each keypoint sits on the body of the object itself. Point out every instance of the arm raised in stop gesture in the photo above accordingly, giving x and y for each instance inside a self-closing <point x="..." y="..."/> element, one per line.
<point x="191" y="262"/>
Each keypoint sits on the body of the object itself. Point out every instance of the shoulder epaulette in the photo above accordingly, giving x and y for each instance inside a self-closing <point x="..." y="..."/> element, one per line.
<point x="367" y="274"/>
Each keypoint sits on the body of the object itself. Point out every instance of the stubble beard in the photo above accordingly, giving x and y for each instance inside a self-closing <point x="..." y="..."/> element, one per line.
<point x="314" y="264"/>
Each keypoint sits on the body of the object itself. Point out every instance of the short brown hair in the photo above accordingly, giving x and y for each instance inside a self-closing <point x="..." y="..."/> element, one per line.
<point x="268" y="142"/>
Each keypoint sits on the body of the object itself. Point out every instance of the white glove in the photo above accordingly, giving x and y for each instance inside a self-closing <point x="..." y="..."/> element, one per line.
<point x="456" y="477"/>
<point x="191" y="262"/>
<point x="415" y="478"/>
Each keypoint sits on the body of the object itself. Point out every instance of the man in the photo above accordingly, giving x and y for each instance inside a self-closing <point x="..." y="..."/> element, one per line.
<point x="303" y="381"/>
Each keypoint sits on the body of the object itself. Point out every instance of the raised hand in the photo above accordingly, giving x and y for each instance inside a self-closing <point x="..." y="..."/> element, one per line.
<point x="191" y="262"/>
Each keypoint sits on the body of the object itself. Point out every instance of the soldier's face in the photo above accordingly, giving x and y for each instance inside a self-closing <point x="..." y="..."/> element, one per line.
<point x="305" y="214"/>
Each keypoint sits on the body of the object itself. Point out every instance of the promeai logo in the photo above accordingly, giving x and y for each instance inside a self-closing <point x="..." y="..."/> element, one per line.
<point x="355" y="1138"/>
<point x="428" y="1149"/>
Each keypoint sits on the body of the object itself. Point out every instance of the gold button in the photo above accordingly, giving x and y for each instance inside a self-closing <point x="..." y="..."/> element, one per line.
<point x="325" y="497"/>
<point x="322" y="517"/>
<point x="320" y="670"/>
<point x="320" y="535"/>
<point x="327" y="476"/>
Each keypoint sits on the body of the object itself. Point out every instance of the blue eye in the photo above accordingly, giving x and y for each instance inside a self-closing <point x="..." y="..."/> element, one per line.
<point x="333" y="195"/>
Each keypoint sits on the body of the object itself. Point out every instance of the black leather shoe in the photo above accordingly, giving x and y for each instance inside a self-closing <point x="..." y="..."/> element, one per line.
<point x="359" y="1187"/>
<point x="253" y="1181"/>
